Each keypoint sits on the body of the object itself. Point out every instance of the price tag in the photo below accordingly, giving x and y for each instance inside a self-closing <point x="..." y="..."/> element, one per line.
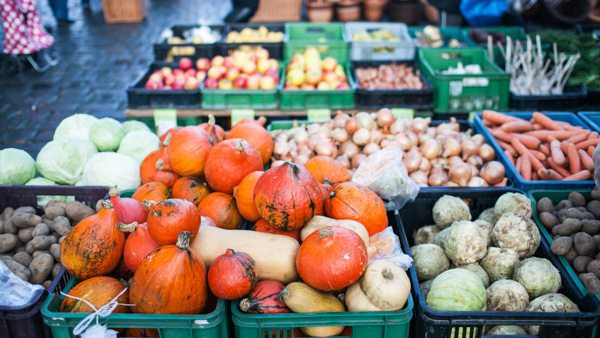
<point x="472" y="116"/>
<point x="164" y="119"/>
<point x="403" y="113"/>
<point x="238" y="114"/>
<point x="318" y="114"/>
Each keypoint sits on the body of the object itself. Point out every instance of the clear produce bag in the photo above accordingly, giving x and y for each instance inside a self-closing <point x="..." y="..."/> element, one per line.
<point x="15" y="292"/>
<point x="386" y="245"/>
<point x="385" y="174"/>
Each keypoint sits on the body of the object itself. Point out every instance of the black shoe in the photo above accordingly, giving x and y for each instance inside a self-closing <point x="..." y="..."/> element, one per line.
<point x="64" y="22"/>
<point x="87" y="11"/>
<point x="48" y="29"/>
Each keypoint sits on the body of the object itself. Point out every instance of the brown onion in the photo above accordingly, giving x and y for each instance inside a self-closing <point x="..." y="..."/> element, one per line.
<point x="425" y="165"/>
<point x="340" y="135"/>
<point x="447" y="128"/>
<point x="280" y="148"/>
<point x="339" y="121"/>
<point x="451" y="148"/>
<point x="474" y="171"/>
<point x="419" y="177"/>
<point x="305" y="152"/>
<point x="365" y="121"/>
<point x="419" y="124"/>
<point x="348" y="149"/>
<point x="385" y="118"/>
<point x="324" y="132"/>
<point x="477" y="182"/>
<point x="460" y="174"/>
<point x="300" y="135"/>
<point x="371" y="148"/>
<point x="351" y="125"/>
<point x="492" y="172"/>
<point x="312" y="142"/>
<point x="325" y="147"/>
<point x="399" y="126"/>
<point x="469" y="148"/>
<point x="413" y="138"/>
<point x="393" y="145"/>
<point x="502" y="183"/>
<point x="430" y="149"/>
<point x="313" y="128"/>
<point x="452" y="161"/>
<point x="436" y="180"/>
<point x="384" y="143"/>
<point x="478" y="139"/>
<point x="357" y="160"/>
<point x="301" y="159"/>
<point x="344" y="161"/>
<point x="438" y="170"/>
<point x="376" y="136"/>
<point x="475" y="161"/>
<point x="404" y="140"/>
<point x="487" y="153"/>
<point x="412" y="160"/>
<point x="361" y="137"/>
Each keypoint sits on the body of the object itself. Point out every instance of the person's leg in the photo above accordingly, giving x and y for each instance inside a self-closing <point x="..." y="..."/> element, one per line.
<point x="61" y="12"/>
<point x="85" y="5"/>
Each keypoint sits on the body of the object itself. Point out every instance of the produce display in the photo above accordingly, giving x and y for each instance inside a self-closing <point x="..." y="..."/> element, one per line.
<point x="185" y="77"/>
<point x="431" y="36"/>
<point x="308" y="71"/>
<point x="391" y="76"/>
<point x="481" y="36"/>
<point x="247" y="34"/>
<point x="377" y="35"/>
<point x="242" y="70"/>
<point x="197" y="36"/>
<point x="497" y="249"/>
<point x="434" y="156"/>
<point x="543" y="149"/>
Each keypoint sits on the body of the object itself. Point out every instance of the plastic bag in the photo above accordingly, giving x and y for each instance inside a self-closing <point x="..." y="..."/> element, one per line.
<point x="386" y="245"/>
<point x="15" y="292"/>
<point x="483" y="12"/>
<point x="384" y="173"/>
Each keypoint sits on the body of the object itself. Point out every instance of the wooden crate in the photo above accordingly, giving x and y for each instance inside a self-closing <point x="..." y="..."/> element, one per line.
<point x="123" y="11"/>
<point x="278" y="11"/>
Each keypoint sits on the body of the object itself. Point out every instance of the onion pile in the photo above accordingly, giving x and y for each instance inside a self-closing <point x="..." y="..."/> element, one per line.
<point x="389" y="77"/>
<point x="434" y="156"/>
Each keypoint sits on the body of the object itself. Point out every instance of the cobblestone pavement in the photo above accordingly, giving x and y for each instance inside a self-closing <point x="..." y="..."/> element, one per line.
<point x="98" y="62"/>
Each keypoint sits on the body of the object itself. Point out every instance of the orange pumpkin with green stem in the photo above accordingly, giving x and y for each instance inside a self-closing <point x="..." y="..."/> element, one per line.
<point x="257" y="136"/>
<point x="152" y="170"/>
<point x="214" y="130"/>
<point x="229" y="162"/>
<point x="191" y="189"/>
<point x="167" y="219"/>
<point x="232" y="275"/>
<point x="221" y="208"/>
<point x="188" y="151"/>
<point x="153" y="191"/>
<point x="327" y="170"/>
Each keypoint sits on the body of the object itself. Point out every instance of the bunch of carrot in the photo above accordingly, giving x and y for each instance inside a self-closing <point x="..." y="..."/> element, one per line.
<point x="544" y="149"/>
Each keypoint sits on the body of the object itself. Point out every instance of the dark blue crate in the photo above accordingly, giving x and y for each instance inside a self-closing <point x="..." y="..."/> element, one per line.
<point x="511" y="171"/>
<point x="592" y="118"/>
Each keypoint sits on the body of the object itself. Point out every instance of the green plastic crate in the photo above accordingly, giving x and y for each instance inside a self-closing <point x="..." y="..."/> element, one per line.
<point x="448" y="34"/>
<point x="327" y="38"/>
<point x="364" y="324"/>
<point x="211" y="325"/>
<point x="464" y="93"/>
<point x="181" y="121"/>
<point x="221" y="99"/>
<point x="309" y="99"/>
<point x="127" y="193"/>
<point x="515" y="33"/>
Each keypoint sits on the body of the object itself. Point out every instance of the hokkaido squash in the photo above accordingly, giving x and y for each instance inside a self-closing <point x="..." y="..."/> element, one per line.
<point x="257" y="136"/>
<point x="301" y="298"/>
<point x="332" y="258"/>
<point x="188" y="151"/>
<point x="318" y="222"/>
<point x="327" y="170"/>
<point x="356" y="202"/>
<point x="191" y="189"/>
<point x="232" y="275"/>
<point x="153" y="191"/>
<point x="121" y="272"/>
<point x="98" y="291"/>
<point x="150" y="172"/>
<point x="94" y="246"/>
<point x="221" y="208"/>
<point x="141" y="332"/>
<point x="264" y="298"/>
<point x="263" y="226"/>
<point x="288" y="196"/>
<point x="128" y="210"/>
<point x="138" y="245"/>
<point x="171" y="131"/>
<point x="213" y="129"/>
<point x="172" y="280"/>
<point x="243" y="194"/>
<point x="275" y="255"/>
<point x="260" y="121"/>
<point x="167" y="219"/>
<point x="229" y="162"/>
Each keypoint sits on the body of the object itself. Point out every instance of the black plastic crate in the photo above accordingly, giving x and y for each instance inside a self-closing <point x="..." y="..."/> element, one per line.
<point x="593" y="99"/>
<point x="26" y="321"/>
<point x="163" y="50"/>
<point x="275" y="49"/>
<point x="421" y="99"/>
<point x="430" y="323"/>
<point x="138" y="97"/>
<point x="572" y="99"/>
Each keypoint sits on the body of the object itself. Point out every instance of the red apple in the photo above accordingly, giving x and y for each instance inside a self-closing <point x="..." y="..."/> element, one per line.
<point x="169" y="79"/>
<point x="177" y="71"/>
<point x="191" y="83"/>
<point x="343" y="85"/>
<point x="273" y="73"/>
<point x="217" y="61"/>
<point x="313" y="77"/>
<point x="225" y="84"/>
<point x="211" y="83"/>
<point x="190" y="72"/>
<point x="329" y="63"/>
<point x="185" y="64"/>
<point x="273" y="64"/>
<point x="215" y="73"/>
<point x="262" y="54"/>
<point x="307" y="86"/>
<point x="153" y="85"/>
<point x="267" y="83"/>
<point x="290" y="87"/>
<point x="249" y="68"/>
<point x="180" y="78"/>
<point x="156" y="77"/>
<point x="203" y="64"/>
<point x="201" y="75"/>
<point x="166" y="71"/>
<point x="253" y="81"/>
<point x="262" y="66"/>
<point x="167" y="87"/>
<point x="331" y="78"/>
<point x="232" y="73"/>
<point x="177" y="86"/>
<point x="228" y="61"/>
<point x="323" y="86"/>
<point x="240" y="82"/>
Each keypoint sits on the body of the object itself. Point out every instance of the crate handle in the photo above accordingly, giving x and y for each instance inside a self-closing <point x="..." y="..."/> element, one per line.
<point x="315" y="30"/>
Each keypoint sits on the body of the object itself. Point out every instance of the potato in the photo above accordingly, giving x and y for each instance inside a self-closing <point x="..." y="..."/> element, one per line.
<point x="57" y="203"/>
<point x="576" y="199"/>
<point x="39" y="252"/>
<point x="29" y="248"/>
<point x="596" y="193"/>
<point x="40" y="268"/>
<point x="56" y="235"/>
<point x="574" y="213"/>
<point x="6" y="258"/>
<point x="25" y="219"/>
<point x="594" y="208"/>
<point x="47" y="284"/>
<point x="56" y="269"/>
<point x="584" y="244"/>
<point x="78" y="211"/>
<point x="54" y="210"/>
<point x="570" y="226"/>
<point x="1" y="227"/>
<point x="41" y="229"/>
<point x="548" y="219"/>
<point x="570" y="256"/>
<point x="544" y="205"/>
<point x="43" y="242"/>
<point x="60" y="240"/>
<point x="55" y="251"/>
<point x="21" y="249"/>
<point x="594" y="267"/>
<point x="561" y="245"/>
<point x="62" y="225"/>
<point x="590" y="226"/>
<point x="9" y="227"/>
<point x="564" y="204"/>
<point x="7" y="242"/>
<point x="557" y="229"/>
<point x="588" y="215"/>
<point x="580" y="263"/>
<point x="23" y="258"/>
<point x="591" y="282"/>
<point x="25" y="235"/>
<point x="25" y="209"/>
<point x="7" y="213"/>
<point x="18" y="269"/>
<point x="99" y="205"/>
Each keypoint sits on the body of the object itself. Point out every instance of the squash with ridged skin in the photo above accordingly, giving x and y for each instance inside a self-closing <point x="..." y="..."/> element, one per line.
<point x="232" y="275"/>
<point x="188" y="151"/>
<point x="97" y="290"/>
<point x="244" y="196"/>
<point x="319" y="222"/>
<point x="213" y="129"/>
<point x="221" y="208"/>
<point x="263" y="226"/>
<point x="229" y="162"/>
<point x="457" y="290"/>
<point x="150" y="172"/>
<point x="257" y="136"/>
<point x="167" y="219"/>
<point x="191" y="189"/>
<point x="327" y="170"/>
<point x="264" y="298"/>
<point x="153" y="191"/>
<point x="138" y="245"/>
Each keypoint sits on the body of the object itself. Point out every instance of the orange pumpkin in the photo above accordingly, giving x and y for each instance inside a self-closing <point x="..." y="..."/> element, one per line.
<point x="229" y="162"/>
<point x="121" y="272"/>
<point x="171" y="131"/>
<point x="221" y="208"/>
<point x="243" y="194"/>
<point x="232" y="275"/>
<point x="168" y="218"/>
<point x="99" y="291"/>
<point x="331" y="258"/>
<point x="262" y="226"/>
<point x="327" y="170"/>
<point x="150" y="172"/>
<point x="214" y="130"/>
<point x="257" y="136"/>
<point x="260" y="121"/>
<point x="172" y="280"/>
<point x="191" y="189"/>
<point x="94" y="246"/>
<point x="356" y="202"/>
<point x="141" y="332"/>
<point x="188" y="151"/>
<point x="288" y="196"/>
<point x="138" y="245"/>
<point x="152" y="191"/>
<point x="264" y="298"/>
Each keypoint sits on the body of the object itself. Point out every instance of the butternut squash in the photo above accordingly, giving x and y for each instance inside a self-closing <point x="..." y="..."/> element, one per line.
<point x="357" y="301"/>
<point x="275" y="255"/>
<point x="319" y="222"/>
<point x="301" y="298"/>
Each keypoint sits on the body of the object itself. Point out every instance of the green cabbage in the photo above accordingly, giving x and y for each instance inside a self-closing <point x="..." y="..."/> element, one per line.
<point x="138" y="144"/>
<point x="42" y="200"/>
<point x="77" y="125"/>
<point x="132" y="125"/>
<point x="107" y="134"/>
<point x="112" y="169"/>
<point x="62" y="160"/>
<point x="16" y="166"/>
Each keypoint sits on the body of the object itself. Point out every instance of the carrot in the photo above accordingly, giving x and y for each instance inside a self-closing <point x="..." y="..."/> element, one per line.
<point x="546" y="121"/>
<point x="526" y="168"/>
<point x="497" y="118"/>
<point x="580" y="176"/>
<point x="542" y="135"/>
<point x="549" y="175"/>
<point x="557" y="155"/>
<point x="586" y="160"/>
<point x="574" y="160"/>
<point x="517" y="126"/>
<point x="561" y="170"/>
<point x="521" y="149"/>
<point x="593" y="135"/>
<point x="528" y="141"/>
<point x="545" y="149"/>
<point x="510" y="156"/>
<point x="587" y="143"/>
<point x="568" y="126"/>
<point x="508" y="147"/>
<point x="535" y="176"/>
<point x="591" y="151"/>
<point x="502" y="183"/>
<point x="564" y="146"/>
<point x="488" y="123"/>
<point x="501" y="135"/>
<point x="578" y="138"/>
<point x="537" y="126"/>
<point x="519" y="163"/>
<point x="538" y="154"/>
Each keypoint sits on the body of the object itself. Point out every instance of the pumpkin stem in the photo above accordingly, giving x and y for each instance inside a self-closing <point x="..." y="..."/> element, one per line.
<point x="114" y="191"/>
<point x="148" y="203"/>
<point x="211" y="120"/>
<point x="229" y="252"/>
<point x="107" y="204"/>
<point x="325" y="232"/>
<point x="125" y="282"/>
<point x="183" y="241"/>
<point x="167" y="140"/>
<point x="332" y="195"/>
<point x="387" y="274"/>
<point x="240" y="146"/>
<point x="342" y="298"/>
<point x="160" y="164"/>
<point x="245" y="304"/>
<point x="127" y="227"/>
<point x="262" y="120"/>
<point x="284" y="294"/>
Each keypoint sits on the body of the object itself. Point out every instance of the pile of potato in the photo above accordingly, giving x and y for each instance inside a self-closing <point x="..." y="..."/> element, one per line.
<point x="575" y="226"/>
<point x="30" y="244"/>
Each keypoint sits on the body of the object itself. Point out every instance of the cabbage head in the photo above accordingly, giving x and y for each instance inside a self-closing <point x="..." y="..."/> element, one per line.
<point x="16" y="166"/>
<point x="42" y="200"/>
<point x="77" y="125"/>
<point x="62" y="160"/>
<point x="112" y="169"/>
<point x="107" y="134"/>
<point x="138" y="144"/>
<point x="132" y="125"/>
